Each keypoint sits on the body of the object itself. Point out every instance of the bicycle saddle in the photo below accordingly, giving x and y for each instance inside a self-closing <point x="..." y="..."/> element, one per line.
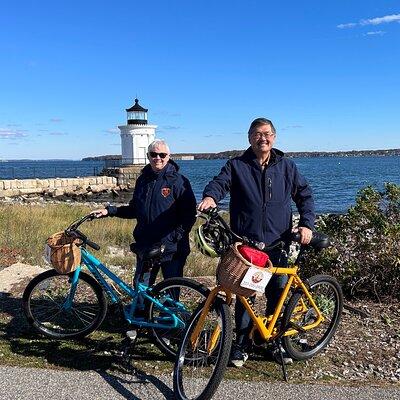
<point x="149" y="253"/>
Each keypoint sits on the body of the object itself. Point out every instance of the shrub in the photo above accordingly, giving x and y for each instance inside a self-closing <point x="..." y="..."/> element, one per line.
<point x="365" y="254"/>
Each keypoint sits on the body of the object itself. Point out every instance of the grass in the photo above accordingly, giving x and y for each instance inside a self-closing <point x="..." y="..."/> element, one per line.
<point x="25" y="228"/>
<point x="21" y="346"/>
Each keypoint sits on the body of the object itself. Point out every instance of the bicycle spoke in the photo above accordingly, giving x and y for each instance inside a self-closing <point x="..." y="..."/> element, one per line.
<point x="48" y="303"/>
<point x="199" y="370"/>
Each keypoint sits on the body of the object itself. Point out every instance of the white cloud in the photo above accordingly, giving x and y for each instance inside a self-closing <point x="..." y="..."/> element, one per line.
<point x="349" y="25"/>
<point x="56" y="120"/>
<point x="381" y="20"/>
<point x="372" y="21"/>
<point x="372" y="33"/>
<point x="12" y="134"/>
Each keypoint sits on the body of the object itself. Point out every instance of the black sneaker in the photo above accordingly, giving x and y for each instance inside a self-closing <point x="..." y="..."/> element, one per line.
<point x="238" y="357"/>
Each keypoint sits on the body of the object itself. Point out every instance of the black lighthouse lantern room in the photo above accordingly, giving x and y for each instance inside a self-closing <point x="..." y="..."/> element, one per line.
<point x="137" y="115"/>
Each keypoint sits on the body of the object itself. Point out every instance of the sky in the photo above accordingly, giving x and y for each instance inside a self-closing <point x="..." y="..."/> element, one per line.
<point x="326" y="73"/>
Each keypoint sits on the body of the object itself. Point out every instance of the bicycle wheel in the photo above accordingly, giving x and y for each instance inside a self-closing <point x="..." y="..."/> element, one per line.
<point x="47" y="308"/>
<point x="327" y="294"/>
<point x="181" y="295"/>
<point x="199" y="369"/>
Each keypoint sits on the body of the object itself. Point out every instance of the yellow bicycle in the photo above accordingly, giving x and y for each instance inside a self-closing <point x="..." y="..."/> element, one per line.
<point x="303" y="323"/>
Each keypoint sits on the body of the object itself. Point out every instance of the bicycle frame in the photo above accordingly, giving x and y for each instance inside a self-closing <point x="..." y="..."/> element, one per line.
<point x="265" y="325"/>
<point x="96" y="268"/>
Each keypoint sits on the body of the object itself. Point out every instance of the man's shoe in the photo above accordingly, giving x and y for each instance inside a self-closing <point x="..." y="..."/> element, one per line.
<point x="238" y="357"/>
<point x="276" y="354"/>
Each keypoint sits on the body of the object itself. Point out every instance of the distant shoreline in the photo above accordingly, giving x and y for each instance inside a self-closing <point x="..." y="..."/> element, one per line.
<point x="235" y="153"/>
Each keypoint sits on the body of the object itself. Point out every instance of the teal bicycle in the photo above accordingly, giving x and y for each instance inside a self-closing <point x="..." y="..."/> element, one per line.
<point x="73" y="305"/>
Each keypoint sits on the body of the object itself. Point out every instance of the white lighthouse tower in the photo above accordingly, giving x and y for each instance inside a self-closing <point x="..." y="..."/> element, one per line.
<point x="136" y="136"/>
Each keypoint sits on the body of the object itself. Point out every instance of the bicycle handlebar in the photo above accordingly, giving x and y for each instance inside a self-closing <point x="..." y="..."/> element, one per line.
<point x="73" y="230"/>
<point x="318" y="241"/>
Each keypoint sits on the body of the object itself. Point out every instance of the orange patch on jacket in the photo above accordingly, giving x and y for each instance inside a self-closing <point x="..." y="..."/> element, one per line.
<point x="165" y="191"/>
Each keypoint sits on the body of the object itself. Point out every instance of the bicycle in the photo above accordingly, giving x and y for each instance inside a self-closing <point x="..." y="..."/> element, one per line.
<point x="73" y="305"/>
<point x="304" y="321"/>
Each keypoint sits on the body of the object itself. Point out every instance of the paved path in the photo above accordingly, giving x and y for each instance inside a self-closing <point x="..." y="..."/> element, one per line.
<point x="36" y="384"/>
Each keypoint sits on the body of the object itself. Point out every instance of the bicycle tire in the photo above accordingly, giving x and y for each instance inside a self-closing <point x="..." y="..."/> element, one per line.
<point x="43" y="301"/>
<point x="197" y="372"/>
<point x="191" y="294"/>
<point x="327" y="294"/>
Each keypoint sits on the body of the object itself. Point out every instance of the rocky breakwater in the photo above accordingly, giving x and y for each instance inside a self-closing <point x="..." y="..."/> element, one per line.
<point x="59" y="187"/>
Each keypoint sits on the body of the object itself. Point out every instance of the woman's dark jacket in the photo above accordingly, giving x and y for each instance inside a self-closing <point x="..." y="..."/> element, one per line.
<point x="260" y="200"/>
<point x="164" y="206"/>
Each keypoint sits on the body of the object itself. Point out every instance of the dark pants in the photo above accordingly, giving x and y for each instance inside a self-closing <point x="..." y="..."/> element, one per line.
<point x="273" y="291"/>
<point x="170" y="269"/>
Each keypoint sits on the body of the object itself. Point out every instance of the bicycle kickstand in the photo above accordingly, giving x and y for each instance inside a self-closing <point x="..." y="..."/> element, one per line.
<point x="283" y="365"/>
<point x="128" y="345"/>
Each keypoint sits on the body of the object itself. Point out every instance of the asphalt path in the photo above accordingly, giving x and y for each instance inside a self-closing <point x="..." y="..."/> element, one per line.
<point x="34" y="384"/>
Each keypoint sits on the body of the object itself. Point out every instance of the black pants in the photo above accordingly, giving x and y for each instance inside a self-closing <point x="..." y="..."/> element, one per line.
<point x="170" y="269"/>
<point x="273" y="291"/>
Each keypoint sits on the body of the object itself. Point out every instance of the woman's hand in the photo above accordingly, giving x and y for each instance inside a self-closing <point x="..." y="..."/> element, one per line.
<point x="101" y="213"/>
<point x="206" y="203"/>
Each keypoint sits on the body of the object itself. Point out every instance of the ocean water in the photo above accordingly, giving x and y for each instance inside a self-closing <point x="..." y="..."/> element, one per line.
<point x="335" y="180"/>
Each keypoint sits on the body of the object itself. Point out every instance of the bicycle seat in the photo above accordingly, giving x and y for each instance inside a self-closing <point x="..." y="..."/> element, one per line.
<point x="149" y="253"/>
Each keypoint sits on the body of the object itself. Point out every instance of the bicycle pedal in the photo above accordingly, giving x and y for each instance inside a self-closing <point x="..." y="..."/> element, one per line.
<point x="297" y="327"/>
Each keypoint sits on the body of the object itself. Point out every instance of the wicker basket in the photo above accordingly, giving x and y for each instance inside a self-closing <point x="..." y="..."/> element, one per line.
<point x="231" y="270"/>
<point x="63" y="253"/>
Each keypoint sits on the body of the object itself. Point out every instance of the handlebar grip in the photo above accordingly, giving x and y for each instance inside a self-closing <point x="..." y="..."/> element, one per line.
<point x="93" y="245"/>
<point x="295" y="237"/>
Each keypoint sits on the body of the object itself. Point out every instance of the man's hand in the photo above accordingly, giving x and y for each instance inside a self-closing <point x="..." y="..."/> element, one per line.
<point x="206" y="203"/>
<point x="101" y="213"/>
<point x="305" y="235"/>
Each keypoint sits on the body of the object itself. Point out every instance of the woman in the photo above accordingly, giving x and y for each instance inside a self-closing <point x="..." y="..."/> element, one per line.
<point x="164" y="206"/>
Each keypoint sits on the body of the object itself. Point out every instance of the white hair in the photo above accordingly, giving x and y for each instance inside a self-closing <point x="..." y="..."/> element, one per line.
<point x="156" y="143"/>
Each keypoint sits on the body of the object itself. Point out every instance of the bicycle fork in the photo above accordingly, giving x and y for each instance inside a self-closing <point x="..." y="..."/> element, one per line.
<point x="74" y="284"/>
<point x="215" y="334"/>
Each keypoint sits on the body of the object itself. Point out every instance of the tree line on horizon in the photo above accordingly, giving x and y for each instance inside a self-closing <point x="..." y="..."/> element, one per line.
<point x="235" y="153"/>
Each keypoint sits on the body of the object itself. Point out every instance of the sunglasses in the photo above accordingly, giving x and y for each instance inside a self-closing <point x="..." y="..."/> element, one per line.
<point x="153" y="154"/>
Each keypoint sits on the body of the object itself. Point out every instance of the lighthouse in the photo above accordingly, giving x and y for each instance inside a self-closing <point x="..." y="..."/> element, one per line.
<point x="136" y="136"/>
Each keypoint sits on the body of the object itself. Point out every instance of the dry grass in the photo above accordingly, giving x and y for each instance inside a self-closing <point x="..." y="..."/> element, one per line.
<point x="24" y="229"/>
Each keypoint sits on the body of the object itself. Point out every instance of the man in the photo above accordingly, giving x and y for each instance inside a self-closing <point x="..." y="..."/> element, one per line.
<point x="262" y="184"/>
<point x="164" y="206"/>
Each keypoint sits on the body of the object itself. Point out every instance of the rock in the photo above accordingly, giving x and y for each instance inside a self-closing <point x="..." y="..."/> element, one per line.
<point x="16" y="273"/>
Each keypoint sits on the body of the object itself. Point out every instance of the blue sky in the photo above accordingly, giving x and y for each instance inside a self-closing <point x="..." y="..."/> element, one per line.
<point x="326" y="73"/>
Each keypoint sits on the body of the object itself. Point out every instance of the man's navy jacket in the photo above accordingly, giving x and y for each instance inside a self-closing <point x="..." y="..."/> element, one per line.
<point x="165" y="208"/>
<point x="260" y="200"/>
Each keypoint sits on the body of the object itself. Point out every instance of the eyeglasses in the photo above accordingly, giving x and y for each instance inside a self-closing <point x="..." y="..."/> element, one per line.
<point x="258" y="135"/>
<point x="153" y="154"/>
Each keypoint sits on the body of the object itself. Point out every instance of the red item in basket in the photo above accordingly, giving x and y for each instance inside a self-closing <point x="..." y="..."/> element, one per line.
<point x="256" y="257"/>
